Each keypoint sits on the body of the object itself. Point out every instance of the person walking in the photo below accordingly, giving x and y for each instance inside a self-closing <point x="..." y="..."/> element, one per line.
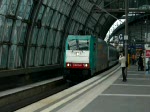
<point x="122" y="61"/>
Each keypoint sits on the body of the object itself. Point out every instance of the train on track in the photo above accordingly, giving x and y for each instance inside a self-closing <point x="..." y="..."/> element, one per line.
<point x="86" y="55"/>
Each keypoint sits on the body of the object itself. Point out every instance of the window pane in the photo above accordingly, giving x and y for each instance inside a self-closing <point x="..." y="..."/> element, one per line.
<point x="2" y="21"/>
<point x="41" y="56"/>
<point x="50" y="3"/>
<point x="45" y="37"/>
<point x="7" y="30"/>
<point x="28" y="9"/>
<point x="20" y="56"/>
<point x="31" y="56"/>
<point x="37" y="56"/>
<point x="62" y="7"/>
<point x="15" y="32"/>
<point x="12" y="57"/>
<point x="74" y="44"/>
<point x="49" y="59"/>
<point x="58" y="39"/>
<point x="22" y="35"/>
<point x="22" y="8"/>
<point x="13" y="6"/>
<point x="55" y="56"/>
<point x="46" y="56"/>
<point x="50" y="38"/>
<point x="65" y="9"/>
<point x="3" y="56"/>
<point x="44" y="19"/>
<point x="76" y="29"/>
<point x="41" y="34"/>
<point x="34" y="36"/>
<point x="61" y="22"/>
<point x="40" y="13"/>
<point x="54" y="4"/>
<point x="72" y="27"/>
<point x="49" y="17"/>
<point x="4" y="6"/>
<point x="55" y="20"/>
<point x="59" y="4"/>
<point x="45" y="2"/>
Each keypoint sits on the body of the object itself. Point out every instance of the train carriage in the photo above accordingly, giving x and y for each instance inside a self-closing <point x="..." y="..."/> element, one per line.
<point x="113" y="55"/>
<point x="84" y="56"/>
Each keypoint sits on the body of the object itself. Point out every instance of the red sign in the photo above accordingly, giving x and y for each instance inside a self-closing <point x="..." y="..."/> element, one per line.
<point x="77" y="65"/>
<point x="148" y="53"/>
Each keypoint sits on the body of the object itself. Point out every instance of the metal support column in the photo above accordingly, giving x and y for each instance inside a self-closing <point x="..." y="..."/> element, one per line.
<point x="34" y="14"/>
<point x="126" y="32"/>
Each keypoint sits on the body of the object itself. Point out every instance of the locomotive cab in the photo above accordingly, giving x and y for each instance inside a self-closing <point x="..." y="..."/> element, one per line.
<point x="86" y="55"/>
<point x="77" y="57"/>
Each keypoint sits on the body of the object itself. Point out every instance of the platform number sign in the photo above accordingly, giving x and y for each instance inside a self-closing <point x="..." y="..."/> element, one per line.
<point x="125" y="37"/>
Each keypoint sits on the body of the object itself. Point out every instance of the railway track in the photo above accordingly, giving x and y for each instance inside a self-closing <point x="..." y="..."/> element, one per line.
<point x="14" y="99"/>
<point x="55" y="101"/>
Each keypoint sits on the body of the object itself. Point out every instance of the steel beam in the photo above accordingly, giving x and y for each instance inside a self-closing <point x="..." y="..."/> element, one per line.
<point x="126" y="33"/>
<point x="90" y="14"/>
<point x="135" y="10"/>
<point x="34" y="14"/>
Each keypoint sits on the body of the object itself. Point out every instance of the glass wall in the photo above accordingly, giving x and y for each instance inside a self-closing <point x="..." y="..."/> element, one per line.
<point x="45" y="42"/>
<point x="13" y="28"/>
<point x="36" y="30"/>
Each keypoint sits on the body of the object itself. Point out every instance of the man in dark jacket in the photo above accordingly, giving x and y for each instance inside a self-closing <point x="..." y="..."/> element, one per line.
<point x="140" y="63"/>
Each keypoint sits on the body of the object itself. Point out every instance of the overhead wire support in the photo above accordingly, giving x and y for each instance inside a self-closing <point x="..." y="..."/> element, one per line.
<point x="107" y="12"/>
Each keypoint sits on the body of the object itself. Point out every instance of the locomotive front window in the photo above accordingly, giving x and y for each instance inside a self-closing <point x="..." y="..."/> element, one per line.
<point x="75" y="44"/>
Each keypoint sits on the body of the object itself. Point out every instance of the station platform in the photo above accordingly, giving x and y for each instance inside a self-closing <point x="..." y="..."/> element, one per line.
<point x="103" y="94"/>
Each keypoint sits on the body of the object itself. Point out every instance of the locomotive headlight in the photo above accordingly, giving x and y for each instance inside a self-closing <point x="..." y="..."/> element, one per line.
<point x="77" y="53"/>
<point x="86" y="65"/>
<point x="68" y="64"/>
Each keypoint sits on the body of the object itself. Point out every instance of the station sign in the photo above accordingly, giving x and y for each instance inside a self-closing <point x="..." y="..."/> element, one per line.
<point x="147" y="53"/>
<point x="125" y="37"/>
<point x="137" y="46"/>
<point x="121" y="38"/>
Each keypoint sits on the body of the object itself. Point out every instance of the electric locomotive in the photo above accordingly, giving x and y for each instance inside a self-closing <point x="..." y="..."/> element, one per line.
<point x="84" y="56"/>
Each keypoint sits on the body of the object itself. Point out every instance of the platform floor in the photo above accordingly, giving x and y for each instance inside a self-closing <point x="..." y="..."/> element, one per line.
<point x="112" y="95"/>
<point x="130" y="96"/>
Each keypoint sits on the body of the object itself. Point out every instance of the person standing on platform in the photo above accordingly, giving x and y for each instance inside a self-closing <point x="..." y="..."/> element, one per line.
<point x="133" y="59"/>
<point x="140" y="63"/>
<point x="148" y="64"/>
<point x="122" y="61"/>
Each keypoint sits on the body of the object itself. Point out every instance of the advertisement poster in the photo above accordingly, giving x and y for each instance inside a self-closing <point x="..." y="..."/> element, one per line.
<point x="147" y="61"/>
